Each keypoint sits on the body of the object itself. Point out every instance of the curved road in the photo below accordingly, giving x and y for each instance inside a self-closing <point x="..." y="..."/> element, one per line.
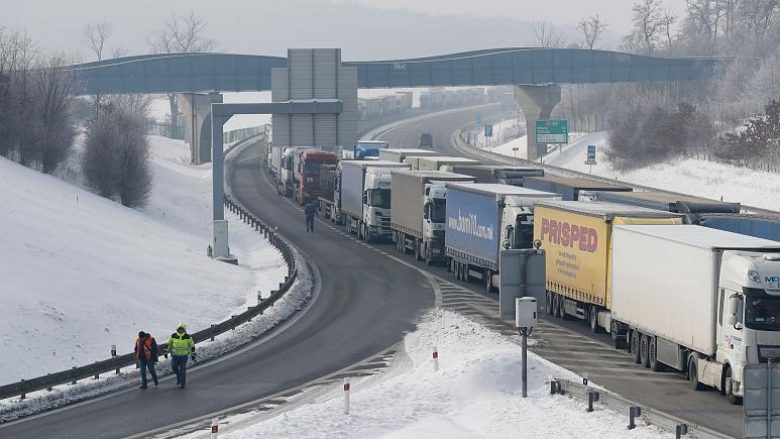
<point x="366" y="304"/>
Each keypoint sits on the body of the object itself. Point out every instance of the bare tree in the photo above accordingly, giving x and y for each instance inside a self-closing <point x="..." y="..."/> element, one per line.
<point x="53" y="87"/>
<point x="547" y="35"/>
<point x="592" y="28"/>
<point x="667" y="21"/>
<point x="181" y="34"/>
<point x="96" y="35"/>
<point x="704" y="16"/>
<point x="647" y="19"/>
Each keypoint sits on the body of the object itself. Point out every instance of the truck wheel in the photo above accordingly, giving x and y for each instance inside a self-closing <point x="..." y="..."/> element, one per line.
<point x="727" y="387"/>
<point x="560" y="310"/>
<point x="548" y="304"/>
<point x="593" y="319"/>
<point x="652" y="356"/>
<point x="635" y="346"/>
<point x="488" y="280"/>
<point x="428" y="257"/>
<point x="417" y="255"/>
<point x="367" y="234"/>
<point x="644" y="345"/>
<point x="693" y="377"/>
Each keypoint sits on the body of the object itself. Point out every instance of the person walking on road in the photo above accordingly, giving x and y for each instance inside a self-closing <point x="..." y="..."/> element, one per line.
<point x="180" y="345"/>
<point x="310" y="210"/>
<point x="146" y="356"/>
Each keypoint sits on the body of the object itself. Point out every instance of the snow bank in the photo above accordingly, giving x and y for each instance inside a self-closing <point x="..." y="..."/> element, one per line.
<point x="81" y="273"/>
<point x="476" y="394"/>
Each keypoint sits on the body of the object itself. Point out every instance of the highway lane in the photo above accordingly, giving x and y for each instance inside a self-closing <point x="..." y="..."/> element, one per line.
<point x="365" y="305"/>
<point x="573" y="346"/>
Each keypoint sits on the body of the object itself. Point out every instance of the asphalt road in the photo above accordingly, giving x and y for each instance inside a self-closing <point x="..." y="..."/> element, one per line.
<point x="366" y="304"/>
<point x="569" y="343"/>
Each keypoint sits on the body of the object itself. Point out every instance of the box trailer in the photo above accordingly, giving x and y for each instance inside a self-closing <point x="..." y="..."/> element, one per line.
<point x="365" y="197"/>
<point x="658" y="200"/>
<point x="511" y="175"/>
<point x="482" y="219"/>
<point x="700" y="300"/>
<point x="758" y="225"/>
<point x="441" y="163"/>
<point x="399" y="155"/>
<point x="418" y="211"/>
<point x="576" y="237"/>
<point x="570" y="187"/>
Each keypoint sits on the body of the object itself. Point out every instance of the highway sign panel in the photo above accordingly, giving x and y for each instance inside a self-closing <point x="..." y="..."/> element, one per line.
<point x="552" y="131"/>
<point x="591" y="157"/>
<point x="488" y="130"/>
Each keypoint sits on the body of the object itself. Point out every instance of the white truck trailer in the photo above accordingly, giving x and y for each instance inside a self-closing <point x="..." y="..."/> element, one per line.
<point x="399" y="155"/>
<point x="441" y="163"/>
<point x="365" y="197"/>
<point x="419" y="200"/>
<point x="702" y="301"/>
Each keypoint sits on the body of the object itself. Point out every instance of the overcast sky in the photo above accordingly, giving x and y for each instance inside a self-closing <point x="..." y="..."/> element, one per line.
<point x="364" y="29"/>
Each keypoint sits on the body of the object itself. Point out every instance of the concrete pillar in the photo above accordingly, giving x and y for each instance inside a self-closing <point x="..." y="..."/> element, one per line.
<point x="196" y="109"/>
<point x="537" y="103"/>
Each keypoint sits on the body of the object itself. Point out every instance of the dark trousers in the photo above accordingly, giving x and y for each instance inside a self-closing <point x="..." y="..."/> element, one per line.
<point x="309" y="223"/>
<point x="179" y="366"/>
<point x="148" y="365"/>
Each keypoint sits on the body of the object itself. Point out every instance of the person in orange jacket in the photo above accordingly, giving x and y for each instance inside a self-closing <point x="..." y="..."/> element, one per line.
<point x="146" y="356"/>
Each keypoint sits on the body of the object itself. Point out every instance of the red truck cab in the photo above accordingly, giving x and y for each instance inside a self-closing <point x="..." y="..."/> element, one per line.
<point x="309" y="173"/>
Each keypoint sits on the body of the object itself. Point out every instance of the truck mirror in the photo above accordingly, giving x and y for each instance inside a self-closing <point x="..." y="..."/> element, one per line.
<point x="733" y="309"/>
<point x="365" y="198"/>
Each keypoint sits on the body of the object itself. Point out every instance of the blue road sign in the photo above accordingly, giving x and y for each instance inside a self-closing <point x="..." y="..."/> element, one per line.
<point x="592" y="152"/>
<point x="488" y="130"/>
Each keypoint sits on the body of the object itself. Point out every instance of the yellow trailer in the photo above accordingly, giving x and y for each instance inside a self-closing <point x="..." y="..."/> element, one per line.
<point x="576" y="237"/>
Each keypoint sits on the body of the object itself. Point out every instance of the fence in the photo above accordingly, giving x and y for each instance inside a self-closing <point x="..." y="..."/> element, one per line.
<point x="114" y="364"/>
<point x="598" y="397"/>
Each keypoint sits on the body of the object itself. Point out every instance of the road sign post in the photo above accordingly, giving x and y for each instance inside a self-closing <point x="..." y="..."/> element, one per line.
<point x="591" y="157"/>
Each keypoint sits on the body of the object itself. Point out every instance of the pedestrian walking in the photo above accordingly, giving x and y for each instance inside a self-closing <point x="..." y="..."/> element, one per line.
<point x="310" y="210"/>
<point x="146" y="356"/>
<point x="180" y="345"/>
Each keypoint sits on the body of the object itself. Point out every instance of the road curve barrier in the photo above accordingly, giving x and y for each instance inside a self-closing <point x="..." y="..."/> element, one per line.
<point x="115" y="363"/>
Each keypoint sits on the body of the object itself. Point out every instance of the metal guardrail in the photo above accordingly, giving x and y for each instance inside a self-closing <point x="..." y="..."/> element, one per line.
<point x="461" y="144"/>
<point x="595" y="397"/>
<point x="114" y="364"/>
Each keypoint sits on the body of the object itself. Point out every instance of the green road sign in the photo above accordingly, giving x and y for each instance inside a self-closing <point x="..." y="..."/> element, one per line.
<point x="552" y="131"/>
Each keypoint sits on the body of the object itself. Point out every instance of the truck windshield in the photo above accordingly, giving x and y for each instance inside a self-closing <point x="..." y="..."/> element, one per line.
<point x="439" y="210"/>
<point x="762" y="312"/>
<point x="380" y="198"/>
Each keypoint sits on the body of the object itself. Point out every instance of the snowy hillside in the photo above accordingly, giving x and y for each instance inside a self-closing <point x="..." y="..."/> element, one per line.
<point x="695" y="177"/>
<point x="475" y="394"/>
<point x="80" y="273"/>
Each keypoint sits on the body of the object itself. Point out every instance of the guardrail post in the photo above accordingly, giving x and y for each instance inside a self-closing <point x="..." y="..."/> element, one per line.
<point x="346" y="396"/>
<point x="97" y="373"/>
<point x="212" y="337"/>
<point x="73" y="371"/>
<point x="593" y="396"/>
<point x="21" y="387"/>
<point x="113" y="355"/>
<point x="48" y="389"/>
<point x="233" y="317"/>
<point x="680" y="430"/>
<point x="633" y="413"/>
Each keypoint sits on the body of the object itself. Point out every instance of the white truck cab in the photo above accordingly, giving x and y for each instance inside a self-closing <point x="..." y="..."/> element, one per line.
<point x="517" y="222"/>
<point x="376" y="203"/>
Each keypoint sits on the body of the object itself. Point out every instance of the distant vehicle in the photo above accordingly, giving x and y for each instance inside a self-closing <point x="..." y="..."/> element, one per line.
<point x="426" y="140"/>
<point x="368" y="148"/>
<point x="511" y="175"/>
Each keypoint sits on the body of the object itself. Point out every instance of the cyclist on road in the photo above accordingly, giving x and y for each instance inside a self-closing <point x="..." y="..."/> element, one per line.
<point x="180" y="345"/>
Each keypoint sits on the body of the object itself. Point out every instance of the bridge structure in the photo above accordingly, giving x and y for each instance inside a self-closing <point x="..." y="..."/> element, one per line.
<point x="314" y="92"/>
<point x="536" y="74"/>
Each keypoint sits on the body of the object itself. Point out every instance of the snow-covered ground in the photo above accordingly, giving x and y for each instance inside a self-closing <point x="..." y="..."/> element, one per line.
<point x="80" y="273"/>
<point x="475" y="394"/>
<point x="695" y="177"/>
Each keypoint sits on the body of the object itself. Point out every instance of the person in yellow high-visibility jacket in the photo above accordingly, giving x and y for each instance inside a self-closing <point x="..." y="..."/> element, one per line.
<point x="181" y="345"/>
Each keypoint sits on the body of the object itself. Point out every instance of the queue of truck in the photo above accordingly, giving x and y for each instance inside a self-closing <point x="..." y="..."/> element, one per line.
<point x="683" y="283"/>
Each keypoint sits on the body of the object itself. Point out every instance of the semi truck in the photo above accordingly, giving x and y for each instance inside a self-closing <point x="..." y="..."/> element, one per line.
<point x="418" y="209"/>
<point x="364" y="197"/>
<point x="286" y="181"/>
<point x="307" y="183"/>
<point x="441" y="163"/>
<point x="399" y="155"/>
<point x="702" y="301"/>
<point x="482" y="219"/>
<point x="576" y="237"/>
<point x="275" y="161"/>
<point x="512" y="175"/>
<point x="329" y="193"/>
<point x="751" y="224"/>
<point x="658" y="200"/>
<point x="368" y="148"/>
<point x="570" y="187"/>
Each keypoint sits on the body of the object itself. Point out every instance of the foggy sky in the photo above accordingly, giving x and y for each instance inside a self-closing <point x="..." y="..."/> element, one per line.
<point x="364" y="29"/>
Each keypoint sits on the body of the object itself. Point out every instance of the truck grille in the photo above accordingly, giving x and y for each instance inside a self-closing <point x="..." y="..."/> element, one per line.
<point x="765" y="352"/>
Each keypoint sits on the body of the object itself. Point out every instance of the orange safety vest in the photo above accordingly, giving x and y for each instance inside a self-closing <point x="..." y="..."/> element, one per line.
<point x="147" y="348"/>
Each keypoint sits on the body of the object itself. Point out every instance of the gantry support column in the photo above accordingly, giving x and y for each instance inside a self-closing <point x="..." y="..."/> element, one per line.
<point x="196" y="111"/>
<point x="537" y="103"/>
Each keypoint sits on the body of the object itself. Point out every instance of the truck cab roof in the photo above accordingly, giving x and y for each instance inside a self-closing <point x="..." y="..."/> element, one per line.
<point x="500" y="190"/>
<point x="704" y="237"/>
